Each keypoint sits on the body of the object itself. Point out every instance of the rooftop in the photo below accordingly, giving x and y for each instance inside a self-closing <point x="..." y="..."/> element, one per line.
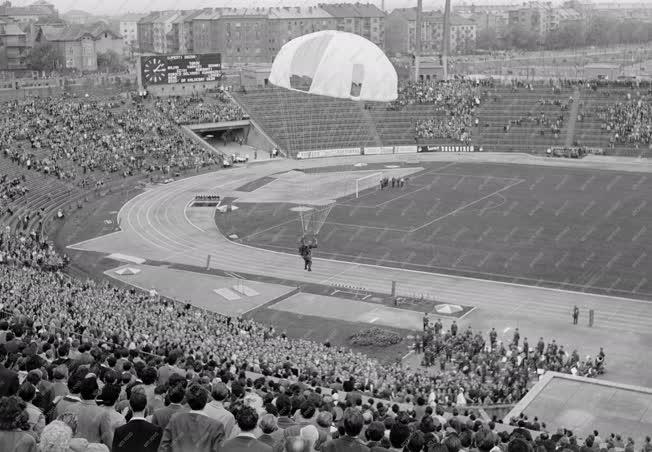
<point x="73" y="32"/>
<point x="344" y="10"/>
<point x="298" y="12"/>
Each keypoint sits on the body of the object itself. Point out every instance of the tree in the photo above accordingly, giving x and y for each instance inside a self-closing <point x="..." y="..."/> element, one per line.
<point x="43" y="57"/>
<point x="110" y="61"/>
<point x="521" y="37"/>
<point x="602" y="31"/>
<point x="570" y="35"/>
<point x="487" y="39"/>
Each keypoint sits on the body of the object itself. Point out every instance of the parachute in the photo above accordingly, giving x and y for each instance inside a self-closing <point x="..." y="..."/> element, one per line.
<point x="336" y="64"/>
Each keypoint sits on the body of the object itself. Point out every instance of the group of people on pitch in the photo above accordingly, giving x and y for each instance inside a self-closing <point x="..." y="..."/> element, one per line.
<point x="396" y="182"/>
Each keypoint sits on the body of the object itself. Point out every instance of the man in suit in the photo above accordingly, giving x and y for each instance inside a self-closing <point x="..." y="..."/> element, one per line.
<point x="193" y="430"/>
<point x="137" y="435"/>
<point x="8" y="378"/>
<point x="353" y="422"/>
<point x="246" y="441"/>
<point x="162" y="416"/>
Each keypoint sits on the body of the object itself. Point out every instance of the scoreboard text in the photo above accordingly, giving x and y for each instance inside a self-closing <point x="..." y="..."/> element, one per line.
<point x="172" y="69"/>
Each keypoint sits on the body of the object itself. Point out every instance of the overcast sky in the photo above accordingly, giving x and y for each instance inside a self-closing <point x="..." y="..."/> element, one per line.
<point x="124" y="6"/>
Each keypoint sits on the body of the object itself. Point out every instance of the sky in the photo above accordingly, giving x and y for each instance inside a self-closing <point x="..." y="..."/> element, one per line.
<point x="114" y="7"/>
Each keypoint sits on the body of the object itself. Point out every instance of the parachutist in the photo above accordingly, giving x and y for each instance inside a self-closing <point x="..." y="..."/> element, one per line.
<point x="305" y="250"/>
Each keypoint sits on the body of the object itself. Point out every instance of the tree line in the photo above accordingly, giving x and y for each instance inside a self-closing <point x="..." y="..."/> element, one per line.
<point x="595" y="31"/>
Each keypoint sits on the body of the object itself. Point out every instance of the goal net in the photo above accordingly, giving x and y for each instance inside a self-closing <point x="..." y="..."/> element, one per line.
<point x="366" y="182"/>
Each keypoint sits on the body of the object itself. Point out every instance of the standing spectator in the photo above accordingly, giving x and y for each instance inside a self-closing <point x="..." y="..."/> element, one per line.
<point x="454" y="328"/>
<point x="268" y="426"/>
<point x="13" y="420"/>
<point x="137" y="435"/>
<point x="399" y="436"/>
<point x="246" y="441"/>
<point x="168" y="369"/>
<point x="284" y="407"/>
<point x="162" y="416"/>
<point x="36" y="419"/>
<point x="215" y="409"/>
<point x="93" y="421"/>
<point x="193" y="430"/>
<point x="59" y="386"/>
<point x="109" y="397"/>
<point x="353" y="422"/>
<point x="8" y="378"/>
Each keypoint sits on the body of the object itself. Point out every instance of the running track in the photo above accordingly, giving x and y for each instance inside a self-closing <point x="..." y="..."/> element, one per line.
<point x="156" y="225"/>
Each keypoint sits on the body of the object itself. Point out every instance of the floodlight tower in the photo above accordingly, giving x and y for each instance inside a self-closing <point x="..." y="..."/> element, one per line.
<point x="417" y="43"/>
<point x="445" y="45"/>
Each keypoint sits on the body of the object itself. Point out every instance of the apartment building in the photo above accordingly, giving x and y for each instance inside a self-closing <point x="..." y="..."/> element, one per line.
<point x="129" y="30"/>
<point x="287" y="23"/>
<point x="542" y="17"/>
<point x="364" y="19"/>
<point x="401" y="27"/>
<point x="14" y="45"/>
<point x="253" y="35"/>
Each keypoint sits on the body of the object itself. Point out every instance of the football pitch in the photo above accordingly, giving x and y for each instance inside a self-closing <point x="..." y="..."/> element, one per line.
<point x="562" y="227"/>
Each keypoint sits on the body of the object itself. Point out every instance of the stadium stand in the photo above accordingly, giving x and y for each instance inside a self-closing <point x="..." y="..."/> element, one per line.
<point x="523" y="117"/>
<point x="79" y="359"/>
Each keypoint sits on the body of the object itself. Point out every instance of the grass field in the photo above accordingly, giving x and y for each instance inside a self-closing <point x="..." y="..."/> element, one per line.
<point x="571" y="228"/>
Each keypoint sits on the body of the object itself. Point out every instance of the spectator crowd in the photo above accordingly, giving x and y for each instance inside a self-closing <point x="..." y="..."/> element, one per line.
<point x="216" y="107"/>
<point x="455" y="104"/>
<point x="627" y="122"/>
<point x="70" y="137"/>
<point x="80" y="360"/>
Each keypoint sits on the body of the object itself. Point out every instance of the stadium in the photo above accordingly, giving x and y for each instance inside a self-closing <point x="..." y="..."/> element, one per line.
<point x="323" y="263"/>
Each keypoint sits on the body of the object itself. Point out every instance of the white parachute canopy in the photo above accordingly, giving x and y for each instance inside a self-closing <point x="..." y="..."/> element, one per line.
<point x="337" y="64"/>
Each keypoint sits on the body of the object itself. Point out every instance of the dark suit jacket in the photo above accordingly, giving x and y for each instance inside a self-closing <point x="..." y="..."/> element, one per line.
<point x="345" y="444"/>
<point x="8" y="382"/>
<point x="137" y="436"/>
<point x="245" y="444"/>
<point x="192" y="431"/>
<point x="162" y="416"/>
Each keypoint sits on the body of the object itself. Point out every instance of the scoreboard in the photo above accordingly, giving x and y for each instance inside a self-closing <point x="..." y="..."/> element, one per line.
<point x="173" y="69"/>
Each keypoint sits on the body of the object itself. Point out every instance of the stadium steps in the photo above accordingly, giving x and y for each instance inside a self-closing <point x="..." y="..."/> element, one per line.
<point x="589" y="132"/>
<point x="572" y="120"/>
<point x="502" y="105"/>
<point x="298" y="121"/>
<point x="43" y="192"/>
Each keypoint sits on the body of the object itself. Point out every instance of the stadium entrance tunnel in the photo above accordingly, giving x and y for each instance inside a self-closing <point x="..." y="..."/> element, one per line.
<point x="241" y="141"/>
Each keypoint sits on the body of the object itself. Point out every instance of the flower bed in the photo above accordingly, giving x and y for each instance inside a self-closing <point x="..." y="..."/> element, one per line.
<point x="375" y="336"/>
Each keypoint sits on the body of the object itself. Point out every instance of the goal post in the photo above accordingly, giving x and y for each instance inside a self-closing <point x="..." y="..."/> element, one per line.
<point x="368" y="181"/>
